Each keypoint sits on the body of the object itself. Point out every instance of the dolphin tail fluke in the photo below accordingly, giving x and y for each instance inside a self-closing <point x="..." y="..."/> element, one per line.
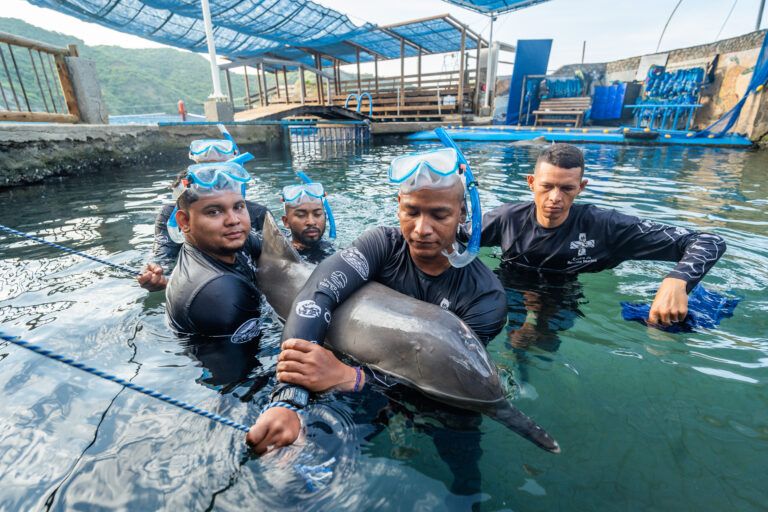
<point x="275" y="243"/>
<point x="512" y="418"/>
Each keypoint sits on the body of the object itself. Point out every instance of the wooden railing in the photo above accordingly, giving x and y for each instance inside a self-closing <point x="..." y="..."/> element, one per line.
<point x="35" y="84"/>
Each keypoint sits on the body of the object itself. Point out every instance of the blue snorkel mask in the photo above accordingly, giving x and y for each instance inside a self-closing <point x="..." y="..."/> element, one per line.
<point x="207" y="179"/>
<point x="309" y="191"/>
<point x="217" y="150"/>
<point x="441" y="169"/>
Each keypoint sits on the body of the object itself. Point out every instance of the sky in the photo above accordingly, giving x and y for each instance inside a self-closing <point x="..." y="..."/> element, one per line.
<point x="612" y="29"/>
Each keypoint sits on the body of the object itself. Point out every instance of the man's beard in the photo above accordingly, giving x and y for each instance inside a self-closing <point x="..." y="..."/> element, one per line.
<point x="309" y="242"/>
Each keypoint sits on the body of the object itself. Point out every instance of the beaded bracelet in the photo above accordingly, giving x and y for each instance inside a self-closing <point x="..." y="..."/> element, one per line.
<point x="284" y="405"/>
<point x="358" y="379"/>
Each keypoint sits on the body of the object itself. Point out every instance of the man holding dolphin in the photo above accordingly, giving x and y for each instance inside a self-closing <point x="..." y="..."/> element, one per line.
<point x="411" y="260"/>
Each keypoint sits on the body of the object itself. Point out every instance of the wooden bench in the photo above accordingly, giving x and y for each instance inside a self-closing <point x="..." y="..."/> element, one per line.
<point x="566" y="111"/>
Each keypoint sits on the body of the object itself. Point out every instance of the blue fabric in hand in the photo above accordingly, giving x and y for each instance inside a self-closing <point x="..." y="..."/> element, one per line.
<point x="705" y="309"/>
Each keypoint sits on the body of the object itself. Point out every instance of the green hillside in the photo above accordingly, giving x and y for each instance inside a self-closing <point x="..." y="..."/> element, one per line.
<point x="132" y="81"/>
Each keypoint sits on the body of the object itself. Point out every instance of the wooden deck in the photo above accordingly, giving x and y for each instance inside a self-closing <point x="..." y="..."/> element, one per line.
<point x="282" y="111"/>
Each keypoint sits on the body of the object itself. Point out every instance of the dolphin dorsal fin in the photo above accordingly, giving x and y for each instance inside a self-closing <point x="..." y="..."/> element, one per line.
<point x="275" y="242"/>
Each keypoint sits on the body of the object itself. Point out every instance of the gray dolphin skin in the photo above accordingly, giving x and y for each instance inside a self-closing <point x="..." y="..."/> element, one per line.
<point x="538" y="141"/>
<point x="416" y="342"/>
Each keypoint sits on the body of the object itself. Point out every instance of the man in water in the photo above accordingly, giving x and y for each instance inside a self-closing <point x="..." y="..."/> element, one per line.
<point x="551" y="235"/>
<point x="212" y="290"/>
<point x="409" y="260"/>
<point x="304" y="216"/>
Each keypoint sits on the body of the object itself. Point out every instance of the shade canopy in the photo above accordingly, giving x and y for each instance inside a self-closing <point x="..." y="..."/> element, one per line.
<point x="495" y="6"/>
<point x="295" y="30"/>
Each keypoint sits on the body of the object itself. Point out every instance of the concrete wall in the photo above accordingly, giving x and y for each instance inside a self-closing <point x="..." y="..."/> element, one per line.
<point x="31" y="152"/>
<point x="736" y="61"/>
<point x="82" y="73"/>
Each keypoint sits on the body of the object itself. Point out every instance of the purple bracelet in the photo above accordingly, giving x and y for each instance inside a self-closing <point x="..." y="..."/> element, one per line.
<point x="358" y="378"/>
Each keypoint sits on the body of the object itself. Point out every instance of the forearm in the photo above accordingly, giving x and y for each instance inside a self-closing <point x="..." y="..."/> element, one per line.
<point x="700" y="255"/>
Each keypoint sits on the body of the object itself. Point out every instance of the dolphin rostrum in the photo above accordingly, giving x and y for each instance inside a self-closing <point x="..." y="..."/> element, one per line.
<point x="416" y="342"/>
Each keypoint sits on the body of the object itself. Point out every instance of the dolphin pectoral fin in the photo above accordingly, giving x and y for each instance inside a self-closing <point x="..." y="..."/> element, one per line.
<point x="512" y="418"/>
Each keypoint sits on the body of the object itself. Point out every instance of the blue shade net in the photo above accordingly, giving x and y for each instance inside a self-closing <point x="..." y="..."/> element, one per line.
<point x="759" y="77"/>
<point x="494" y="6"/>
<point x="705" y="309"/>
<point x="285" y="29"/>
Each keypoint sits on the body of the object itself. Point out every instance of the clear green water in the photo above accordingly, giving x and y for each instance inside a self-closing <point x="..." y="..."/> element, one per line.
<point x="647" y="420"/>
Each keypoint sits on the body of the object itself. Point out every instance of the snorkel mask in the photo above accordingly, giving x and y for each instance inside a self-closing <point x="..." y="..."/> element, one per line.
<point x="207" y="179"/>
<point x="309" y="192"/>
<point x="441" y="169"/>
<point x="217" y="150"/>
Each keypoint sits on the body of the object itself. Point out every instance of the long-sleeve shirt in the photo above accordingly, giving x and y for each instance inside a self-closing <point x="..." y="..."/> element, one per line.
<point x="594" y="239"/>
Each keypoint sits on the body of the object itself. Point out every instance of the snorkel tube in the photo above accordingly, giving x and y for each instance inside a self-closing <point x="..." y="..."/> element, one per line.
<point x="240" y="159"/>
<point x="326" y="206"/>
<point x="462" y="259"/>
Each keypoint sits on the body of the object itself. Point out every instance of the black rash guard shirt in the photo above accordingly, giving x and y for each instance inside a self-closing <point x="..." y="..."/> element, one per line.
<point x="473" y="293"/>
<point x="207" y="296"/>
<point x="594" y="239"/>
<point x="165" y="251"/>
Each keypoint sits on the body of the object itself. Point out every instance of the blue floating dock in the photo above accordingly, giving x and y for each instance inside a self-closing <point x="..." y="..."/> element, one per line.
<point x="585" y="135"/>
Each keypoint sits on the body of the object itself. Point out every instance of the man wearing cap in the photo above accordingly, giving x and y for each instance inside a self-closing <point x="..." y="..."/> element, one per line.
<point x="409" y="259"/>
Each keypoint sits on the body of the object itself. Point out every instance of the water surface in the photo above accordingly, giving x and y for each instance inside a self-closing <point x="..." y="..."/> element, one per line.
<point x="647" y="420"/>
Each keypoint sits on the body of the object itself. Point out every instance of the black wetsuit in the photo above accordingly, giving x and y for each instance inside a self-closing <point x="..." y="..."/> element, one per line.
<point x="594" y="239"/>
<point x="473" y="293"/>
<point x="165" y="250"/>
<point x="317" y="252"/>
<point x="207" y="296"/>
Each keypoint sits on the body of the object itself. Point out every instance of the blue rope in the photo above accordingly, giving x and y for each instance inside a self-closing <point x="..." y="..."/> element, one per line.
<point x="141" y="389"/>
<point x="71" y="251"/>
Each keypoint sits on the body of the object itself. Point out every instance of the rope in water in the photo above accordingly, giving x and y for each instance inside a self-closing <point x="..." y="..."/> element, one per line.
<point x="141" y="389"/>
<point x="67" y="249"/>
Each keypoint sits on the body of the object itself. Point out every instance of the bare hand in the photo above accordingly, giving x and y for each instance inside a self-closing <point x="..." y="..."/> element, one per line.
<point x="670" y="304"/>
<point x="275" y="428"/>
<point x="313" y="367"/>
<point x="152" y="278"/>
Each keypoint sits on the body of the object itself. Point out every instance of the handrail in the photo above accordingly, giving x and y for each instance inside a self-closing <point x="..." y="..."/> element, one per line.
<point x="359" y="100"/>
<point x="36" y="82"/>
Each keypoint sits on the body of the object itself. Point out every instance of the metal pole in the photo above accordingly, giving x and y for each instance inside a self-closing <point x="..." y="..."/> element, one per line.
<point x="462" y="66"/>
<point x="247" y="88"/>
<point x="760" y="15"/>
<point x="583" y="51"/>
<point x="402" y="73"/>
<point x="357" y="61"/>
<point x="211" y="50"/>
<point x="489" y="63"/>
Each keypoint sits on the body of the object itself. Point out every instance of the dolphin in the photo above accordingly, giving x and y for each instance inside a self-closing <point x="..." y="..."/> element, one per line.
<point x="418" y="343"/>
<point x="538" y="141"/>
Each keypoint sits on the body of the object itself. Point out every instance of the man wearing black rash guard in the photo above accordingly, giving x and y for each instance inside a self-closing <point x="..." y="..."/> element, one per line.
<point x="212" y="290"/>
<point x="551" y="235"/>
<point x="305" y="218"/>
<point x="409" y="260"/>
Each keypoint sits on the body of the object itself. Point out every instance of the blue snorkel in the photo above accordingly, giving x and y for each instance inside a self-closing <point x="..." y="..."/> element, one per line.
<point x="456" y="258"/>
<point x="240" y="159"/>
<point x="326" y="206"/>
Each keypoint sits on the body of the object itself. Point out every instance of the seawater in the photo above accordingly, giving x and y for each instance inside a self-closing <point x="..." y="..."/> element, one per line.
<point x="647" y="420"/>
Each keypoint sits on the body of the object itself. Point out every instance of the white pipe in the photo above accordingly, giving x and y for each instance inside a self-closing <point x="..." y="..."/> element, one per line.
<point x="489" y="63"/>
<point x="211" y="50"/>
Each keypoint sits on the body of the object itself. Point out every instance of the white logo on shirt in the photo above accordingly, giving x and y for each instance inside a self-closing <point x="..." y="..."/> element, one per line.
<point x="445" y="303"/>
<point x="246" y="332"/>
<point x="356" y="260"/>
<point x="308" y="309"/>
<point x="582" y="244"/>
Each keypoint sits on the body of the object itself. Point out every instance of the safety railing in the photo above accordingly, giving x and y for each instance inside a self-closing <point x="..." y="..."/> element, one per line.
<point x="34" y="81"/>
<point x="359" y="100"/>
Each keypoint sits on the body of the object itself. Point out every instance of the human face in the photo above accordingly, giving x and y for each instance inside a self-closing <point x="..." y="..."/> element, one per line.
<point x="218" y="225"/>
<point x="554" y="190"/>
<point x="306" y="222"/>
<point x="429" y="219"/>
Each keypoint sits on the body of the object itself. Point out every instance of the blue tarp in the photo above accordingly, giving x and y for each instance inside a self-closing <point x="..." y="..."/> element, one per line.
<point x="250" y="28"/>
<point x="531" y="58"/>
<point x="495" y="6"/>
